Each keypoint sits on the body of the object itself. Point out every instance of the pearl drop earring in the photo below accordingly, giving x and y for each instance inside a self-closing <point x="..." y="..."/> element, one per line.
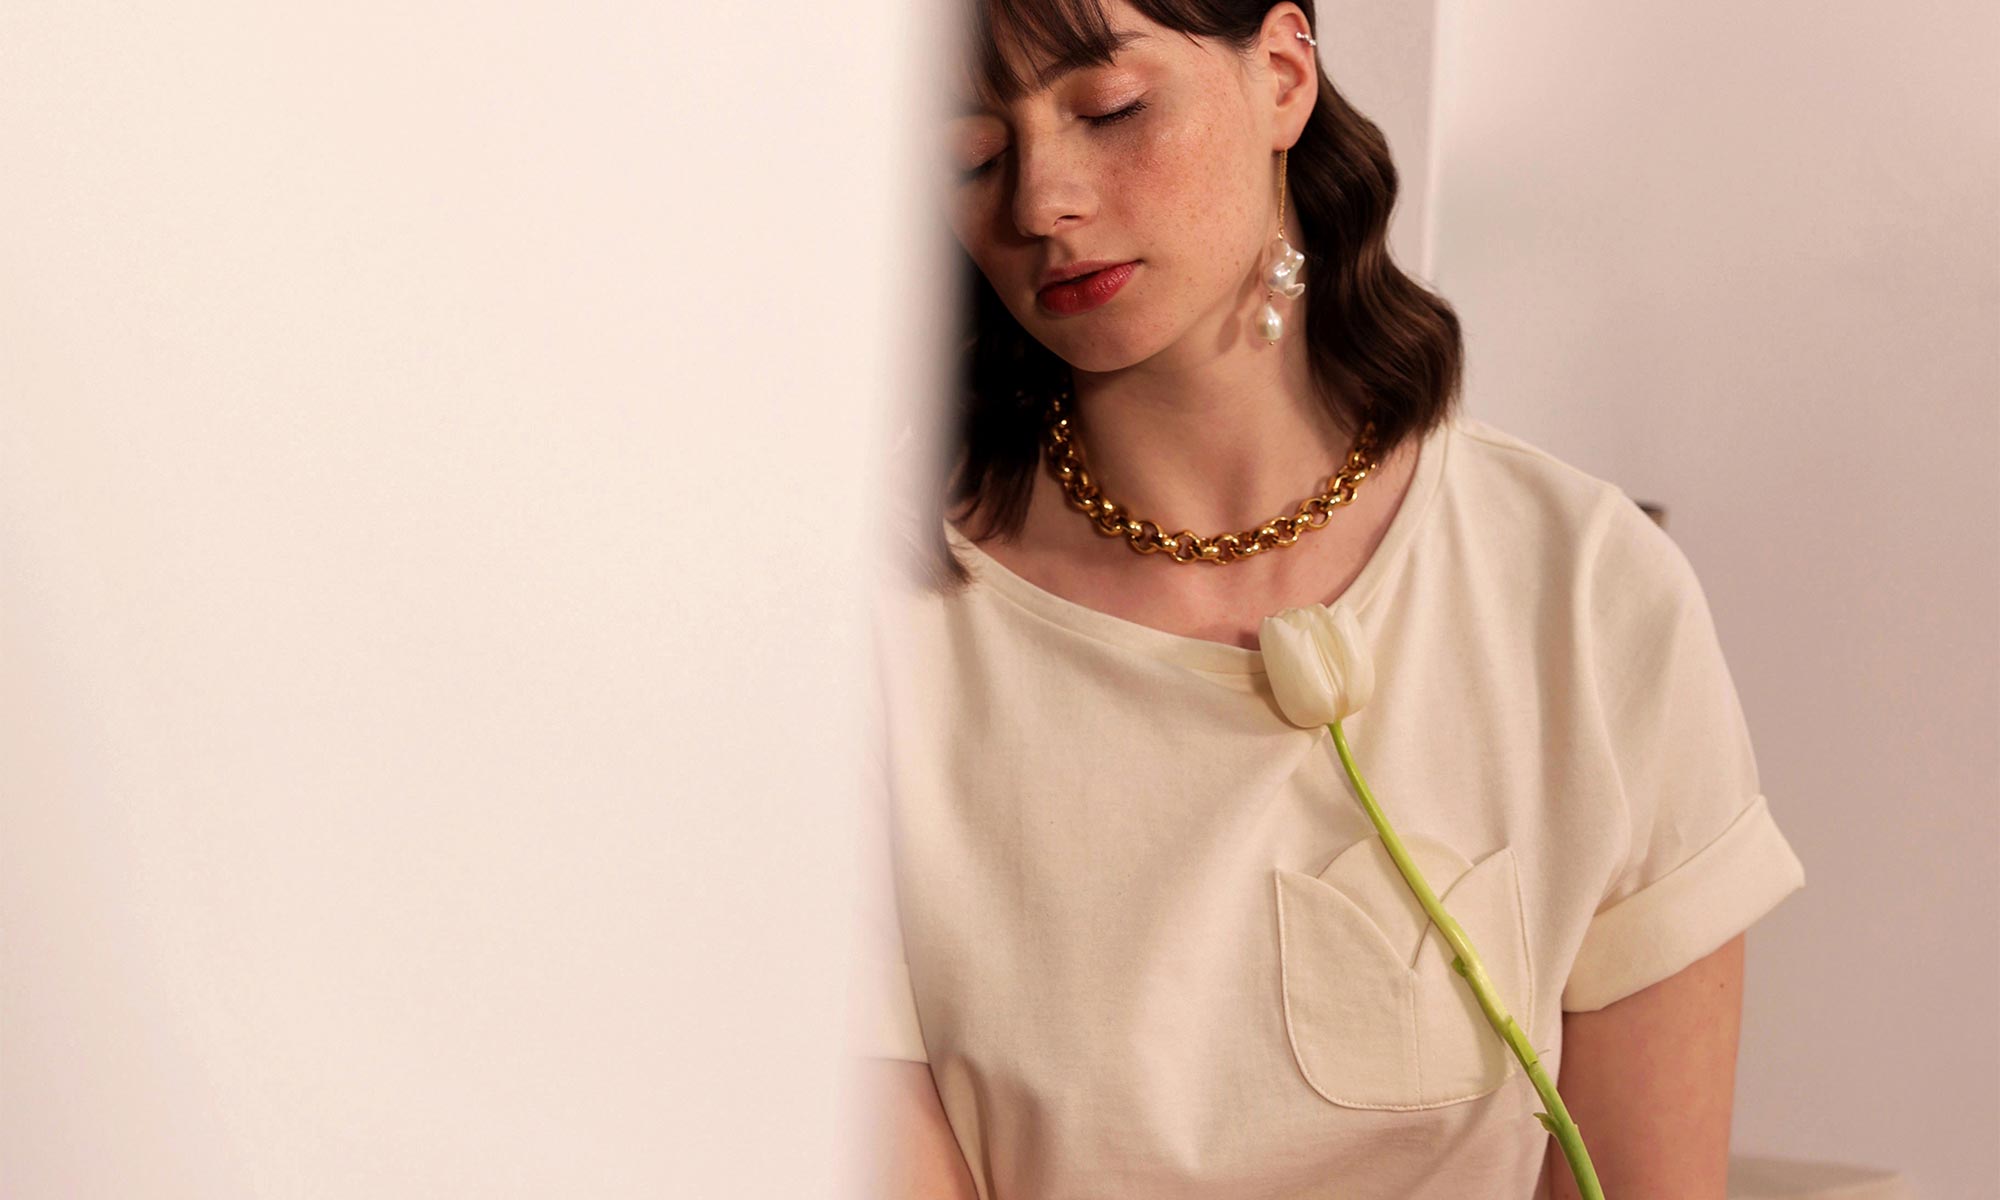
<point x="1284" y="269"/>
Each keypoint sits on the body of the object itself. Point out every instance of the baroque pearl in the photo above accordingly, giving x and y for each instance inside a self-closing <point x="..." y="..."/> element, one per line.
<point x="1270" y="326"/>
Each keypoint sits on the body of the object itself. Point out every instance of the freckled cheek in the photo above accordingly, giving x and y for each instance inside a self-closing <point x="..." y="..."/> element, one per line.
<point x="1183" y="194"/>
<point x="974" y="215"/>
<point x="1157" y="182"/>
<point x="1222" y="175"/>
<point x="976" y="226"/>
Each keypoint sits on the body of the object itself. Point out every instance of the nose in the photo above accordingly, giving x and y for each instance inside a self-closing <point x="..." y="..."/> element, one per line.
<point x="1051" y="186"/>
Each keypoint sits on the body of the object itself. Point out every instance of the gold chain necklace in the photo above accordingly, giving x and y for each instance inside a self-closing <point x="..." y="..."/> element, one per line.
<point x="1066" y="461"/>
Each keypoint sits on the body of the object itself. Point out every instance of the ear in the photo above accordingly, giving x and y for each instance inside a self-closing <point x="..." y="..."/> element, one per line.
<point x="1292" y="64"/>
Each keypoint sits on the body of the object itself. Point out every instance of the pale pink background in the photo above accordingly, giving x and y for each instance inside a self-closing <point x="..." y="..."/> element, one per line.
<point x="435" y="455"/>
<point x="1744" y="259"/>
<point x="433" y="444"/>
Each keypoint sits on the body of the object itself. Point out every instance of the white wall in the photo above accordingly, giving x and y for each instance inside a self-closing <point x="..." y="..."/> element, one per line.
<point x="431" y="473"/>
<point x="1380" y="58"/>
<point x="1745" y="261"/>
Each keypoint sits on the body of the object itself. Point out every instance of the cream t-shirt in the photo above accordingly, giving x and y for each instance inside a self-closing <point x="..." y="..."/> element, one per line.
<point x="1145" y="935"/>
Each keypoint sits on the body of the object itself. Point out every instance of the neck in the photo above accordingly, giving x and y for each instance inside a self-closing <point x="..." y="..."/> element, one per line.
<point x="1213" y="442"/>
<point x="1214" y="450"/>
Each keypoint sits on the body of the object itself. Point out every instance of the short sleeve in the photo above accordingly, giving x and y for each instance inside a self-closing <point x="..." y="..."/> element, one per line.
<point x="882" y="1003"/>
<point x="1706" y="859"/>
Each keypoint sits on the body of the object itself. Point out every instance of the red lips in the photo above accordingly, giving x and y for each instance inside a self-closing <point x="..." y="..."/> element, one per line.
<point x="1075" y="292"/>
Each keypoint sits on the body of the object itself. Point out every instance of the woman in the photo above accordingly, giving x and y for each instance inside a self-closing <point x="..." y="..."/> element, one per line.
<point x="1143" y="940"/>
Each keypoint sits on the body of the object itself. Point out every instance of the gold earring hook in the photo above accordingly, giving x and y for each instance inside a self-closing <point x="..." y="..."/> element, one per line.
<point x="1281" y="190"/>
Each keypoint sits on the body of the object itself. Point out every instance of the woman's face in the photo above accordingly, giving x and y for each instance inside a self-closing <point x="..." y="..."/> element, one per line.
<point x="1162" y="160"/>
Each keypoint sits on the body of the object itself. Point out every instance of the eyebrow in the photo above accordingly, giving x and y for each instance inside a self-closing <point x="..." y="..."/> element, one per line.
<point x="1077" y="59"/>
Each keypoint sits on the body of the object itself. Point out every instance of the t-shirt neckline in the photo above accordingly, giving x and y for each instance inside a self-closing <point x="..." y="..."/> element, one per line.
<point x="1201" y="654"/>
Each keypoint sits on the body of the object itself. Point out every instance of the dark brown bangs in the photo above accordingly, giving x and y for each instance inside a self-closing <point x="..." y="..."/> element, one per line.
<point x="1051" y="33"/>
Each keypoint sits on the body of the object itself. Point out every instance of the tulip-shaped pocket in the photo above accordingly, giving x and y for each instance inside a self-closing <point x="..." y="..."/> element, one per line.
<point x="1376" y="1016"/>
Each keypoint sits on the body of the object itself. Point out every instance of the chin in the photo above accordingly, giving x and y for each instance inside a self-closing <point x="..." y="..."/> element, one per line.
<point x="1099" y="359"/>
<point x="1112" y="346"/>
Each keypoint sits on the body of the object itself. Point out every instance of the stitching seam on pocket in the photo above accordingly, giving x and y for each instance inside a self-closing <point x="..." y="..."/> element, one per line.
<point x="1414" y="997"/>
<point x="1416" y="1033"/>
<point x="1491" y="956"/>
<point x="1526" y="1019"/>
<point x="1291" y="1032"/>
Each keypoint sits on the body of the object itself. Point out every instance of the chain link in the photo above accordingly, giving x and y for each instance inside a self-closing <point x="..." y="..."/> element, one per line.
<point x="1065" y="459"/>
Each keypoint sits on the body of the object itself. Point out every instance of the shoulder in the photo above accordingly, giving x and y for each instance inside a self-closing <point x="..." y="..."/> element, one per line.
<point x="1494" y="463"/>
<point x="1544" y="510"/>
<point x="1567" y="537"/>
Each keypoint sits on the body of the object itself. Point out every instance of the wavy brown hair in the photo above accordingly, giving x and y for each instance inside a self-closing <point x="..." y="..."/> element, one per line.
<point x="1381" y="346"/>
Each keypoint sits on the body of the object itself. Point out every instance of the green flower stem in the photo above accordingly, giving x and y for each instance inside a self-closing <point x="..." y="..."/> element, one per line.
<point x="1466" y="963"/>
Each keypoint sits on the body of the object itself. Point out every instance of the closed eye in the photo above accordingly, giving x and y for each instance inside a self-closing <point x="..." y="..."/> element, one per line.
<point x="1111" y="118"/>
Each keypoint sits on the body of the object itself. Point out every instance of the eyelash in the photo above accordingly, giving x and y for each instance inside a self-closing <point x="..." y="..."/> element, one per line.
<point x="1111" y="118"/>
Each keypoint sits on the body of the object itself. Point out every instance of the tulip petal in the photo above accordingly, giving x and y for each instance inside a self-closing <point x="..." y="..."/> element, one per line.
<point x="1317" y="665"/>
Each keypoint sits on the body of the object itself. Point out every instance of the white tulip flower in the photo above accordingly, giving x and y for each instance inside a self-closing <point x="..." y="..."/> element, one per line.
<point x="1317" y="663"/>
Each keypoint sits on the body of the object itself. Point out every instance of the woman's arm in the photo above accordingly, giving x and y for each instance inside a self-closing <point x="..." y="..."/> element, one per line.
<point x="912" y="1153"/>
<point x="1650" y="1081"/>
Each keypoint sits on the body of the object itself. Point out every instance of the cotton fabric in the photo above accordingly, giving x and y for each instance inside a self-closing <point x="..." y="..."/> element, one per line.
<point x="1141" y="927"/>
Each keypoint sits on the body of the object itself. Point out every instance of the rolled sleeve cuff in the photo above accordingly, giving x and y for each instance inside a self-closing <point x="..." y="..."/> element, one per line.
<point x="1686" y="914"/>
